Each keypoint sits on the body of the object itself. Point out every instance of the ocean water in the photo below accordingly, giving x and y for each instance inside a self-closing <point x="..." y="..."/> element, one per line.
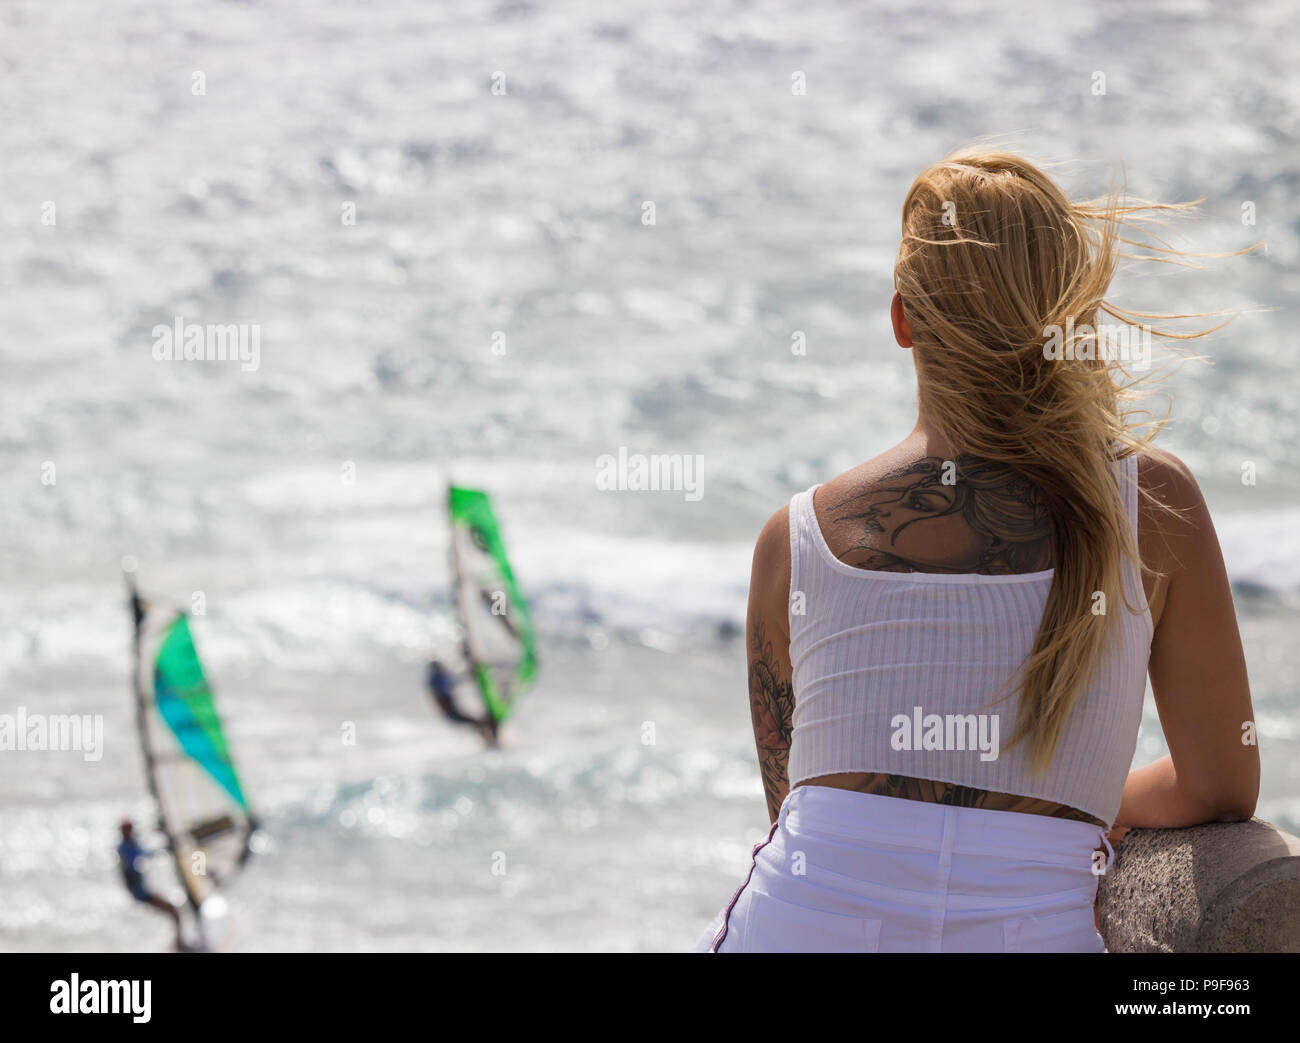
<point x="478" y="213"/>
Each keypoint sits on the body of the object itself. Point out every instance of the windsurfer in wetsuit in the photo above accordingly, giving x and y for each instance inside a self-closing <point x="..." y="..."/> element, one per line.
<point x="442" y="685"/>
<point x="130" y="855"/>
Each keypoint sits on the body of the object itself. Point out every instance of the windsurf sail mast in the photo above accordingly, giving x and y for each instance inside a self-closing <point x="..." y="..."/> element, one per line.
<point x="499" y="641"/>
<point x="201" y="805"/>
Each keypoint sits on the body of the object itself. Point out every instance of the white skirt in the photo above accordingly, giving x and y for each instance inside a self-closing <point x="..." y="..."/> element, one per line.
<point x="855" y="872"/>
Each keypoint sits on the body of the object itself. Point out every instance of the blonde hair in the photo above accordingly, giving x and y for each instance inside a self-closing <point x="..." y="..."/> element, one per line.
<point x="995" y="257"/>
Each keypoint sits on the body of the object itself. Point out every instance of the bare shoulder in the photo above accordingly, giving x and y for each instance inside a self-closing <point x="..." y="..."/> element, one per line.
<point x="1168" y="480"/>
<point x="1176" y="537"/>
<point x="773" y="542"/>
<point x="845" y="490"/>
<point x="771" y="566"/>
<point x="1172" y="511"/>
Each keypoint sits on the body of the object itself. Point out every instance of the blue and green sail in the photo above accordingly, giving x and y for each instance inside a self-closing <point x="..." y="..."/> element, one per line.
<point x="500" y="642"/>
<point x="202" y="807"/>
<point x="184" y="700"/>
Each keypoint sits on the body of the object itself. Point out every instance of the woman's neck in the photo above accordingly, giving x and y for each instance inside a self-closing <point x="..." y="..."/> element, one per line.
<point x="927" y="440"/>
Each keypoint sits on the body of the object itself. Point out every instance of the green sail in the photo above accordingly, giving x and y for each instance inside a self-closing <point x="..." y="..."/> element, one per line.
<point x="184" y="700"/>
<point x="499" y="636"/>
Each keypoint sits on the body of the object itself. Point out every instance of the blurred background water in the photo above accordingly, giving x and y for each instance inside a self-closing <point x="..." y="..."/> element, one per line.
<point x="521" y="212"/>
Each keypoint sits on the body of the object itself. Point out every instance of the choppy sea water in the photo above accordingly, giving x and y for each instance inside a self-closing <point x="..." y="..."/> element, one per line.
<point x="522" y="212"/>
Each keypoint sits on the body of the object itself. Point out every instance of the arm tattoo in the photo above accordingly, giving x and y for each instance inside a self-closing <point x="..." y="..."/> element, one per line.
<point x="771" y="704"/>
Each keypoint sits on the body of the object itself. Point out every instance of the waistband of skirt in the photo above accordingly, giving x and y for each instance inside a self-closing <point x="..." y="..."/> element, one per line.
<point x="849" y="817"/>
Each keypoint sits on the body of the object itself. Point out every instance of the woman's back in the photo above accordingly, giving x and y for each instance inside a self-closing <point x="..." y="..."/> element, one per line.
<point x="915" y="597"/>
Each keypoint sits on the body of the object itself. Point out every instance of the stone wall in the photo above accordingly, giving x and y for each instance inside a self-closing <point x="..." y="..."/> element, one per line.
<point x="1224" y="887"/>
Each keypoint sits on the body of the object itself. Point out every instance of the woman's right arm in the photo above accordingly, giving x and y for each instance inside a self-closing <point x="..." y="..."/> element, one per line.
<point x="1197" y="670"/>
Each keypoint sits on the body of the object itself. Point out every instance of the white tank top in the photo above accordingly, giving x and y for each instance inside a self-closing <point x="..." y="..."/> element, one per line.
<point x="889" y="668"/>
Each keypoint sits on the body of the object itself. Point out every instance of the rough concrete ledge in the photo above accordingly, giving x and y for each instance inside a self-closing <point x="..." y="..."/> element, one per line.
<point x="1223" y="887"/>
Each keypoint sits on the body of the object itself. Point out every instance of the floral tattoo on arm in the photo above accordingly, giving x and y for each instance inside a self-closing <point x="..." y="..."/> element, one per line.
<point x="771" y="704"/>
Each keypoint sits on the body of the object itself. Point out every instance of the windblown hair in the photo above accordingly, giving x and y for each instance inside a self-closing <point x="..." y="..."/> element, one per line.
<point x="994" y="258"/>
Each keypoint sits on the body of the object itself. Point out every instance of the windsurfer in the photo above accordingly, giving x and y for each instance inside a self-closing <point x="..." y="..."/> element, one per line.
<point x="442" y="685"/>
<point x="130" y="854"/>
